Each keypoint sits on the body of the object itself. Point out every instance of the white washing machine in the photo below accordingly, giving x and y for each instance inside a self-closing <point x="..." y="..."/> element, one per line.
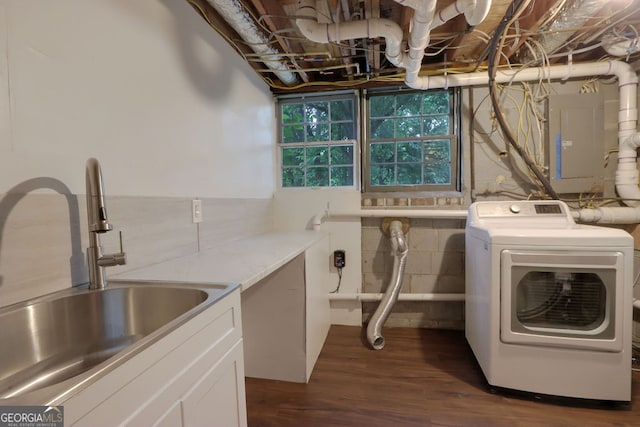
<point x="549" y="302"/>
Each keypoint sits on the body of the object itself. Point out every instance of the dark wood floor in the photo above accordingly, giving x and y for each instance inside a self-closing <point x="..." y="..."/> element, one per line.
<point x="421" y="378"/>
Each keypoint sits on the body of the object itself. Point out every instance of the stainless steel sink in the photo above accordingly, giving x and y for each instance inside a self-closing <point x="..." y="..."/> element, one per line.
<point x="79" y="333"/>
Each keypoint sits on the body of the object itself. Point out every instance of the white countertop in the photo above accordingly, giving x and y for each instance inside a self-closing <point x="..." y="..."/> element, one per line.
<point x="244" y="261"/>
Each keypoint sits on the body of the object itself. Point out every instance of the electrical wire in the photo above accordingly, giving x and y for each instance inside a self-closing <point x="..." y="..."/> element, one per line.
<point x="496" y="44"/>
<point x="336" y="290"/>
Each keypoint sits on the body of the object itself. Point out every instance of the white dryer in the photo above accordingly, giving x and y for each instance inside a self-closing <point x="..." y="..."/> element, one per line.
<point x="549" y="302"/>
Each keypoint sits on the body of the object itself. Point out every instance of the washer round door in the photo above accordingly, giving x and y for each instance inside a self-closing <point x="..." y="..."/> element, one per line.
<point x="560" y="298"/>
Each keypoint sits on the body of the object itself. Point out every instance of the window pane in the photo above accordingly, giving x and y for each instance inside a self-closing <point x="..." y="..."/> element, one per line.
<point x="341" y="155"/>
<point x="409" y="152"/>
<point x="381" y="106"/>
<point x="410" y="173"/>
<point x="436" y="125"/>
<point x="318" y="177"/>
<point x="292" y="113"/>
<point x="409" y="105"/>
<point x="317" y="132"/>
<point x="437" y="151"/>
<point x="341" y="110"/>
<point x="409" y="126"/>
<point x="381" y="129"/>
<point x="317" y="140"/>
<point x="383" y="175"/>
<point x="293" y="177"/>
<point x="317" y="112"/>
<point x="341" y="176"/>
<point x="318" y="155"/>
<point x="341" y="131"/>
<point x="437" y="173"/>
<point x="401" y="136"/>
<point x="293" y="133"/>
<point x="383" y="153"/>
<point x="436" y="103"/>
<point x="292" y="156"/>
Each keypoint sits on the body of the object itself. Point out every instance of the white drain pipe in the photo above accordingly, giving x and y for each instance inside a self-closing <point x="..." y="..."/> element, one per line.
<point x="421" y="23"/>
<point x="474" y="12"/>
<point x="371" y="297"/>
<point x="400" y="251"/>
<point x="308" y="25"/>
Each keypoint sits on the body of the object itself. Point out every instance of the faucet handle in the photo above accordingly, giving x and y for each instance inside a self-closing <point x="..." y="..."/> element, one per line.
<point x="120" y="258"/>
<point x="120" y="238"/>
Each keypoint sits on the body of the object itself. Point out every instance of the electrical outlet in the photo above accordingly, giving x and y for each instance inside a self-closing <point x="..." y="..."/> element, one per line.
<point x="196" y="211"/>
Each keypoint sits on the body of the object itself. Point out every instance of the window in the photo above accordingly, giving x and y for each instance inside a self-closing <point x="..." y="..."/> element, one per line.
<point x="412" y="141"/>
<point x="317" y="140"/>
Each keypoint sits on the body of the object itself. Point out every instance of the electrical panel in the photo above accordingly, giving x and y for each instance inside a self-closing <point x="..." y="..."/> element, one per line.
<point x="575" y="144"/>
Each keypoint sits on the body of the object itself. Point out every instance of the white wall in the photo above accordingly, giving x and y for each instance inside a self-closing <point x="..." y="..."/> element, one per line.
<point x="145" y="86"/>
<point x="294" y="210"/>
<point x="170" y="110"/>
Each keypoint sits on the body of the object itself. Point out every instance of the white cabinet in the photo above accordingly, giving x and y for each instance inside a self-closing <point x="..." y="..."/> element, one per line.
<point x="286" y="317"/>
<point x="192" y="377"/>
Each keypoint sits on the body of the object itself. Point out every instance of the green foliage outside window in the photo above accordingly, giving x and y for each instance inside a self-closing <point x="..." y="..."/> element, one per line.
<point x="410" y="139"/>
<point x="317" y="145"/>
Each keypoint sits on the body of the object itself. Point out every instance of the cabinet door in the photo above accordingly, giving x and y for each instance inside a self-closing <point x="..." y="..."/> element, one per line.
<point x="218" y="399"/>
<point x="171" y="418"/>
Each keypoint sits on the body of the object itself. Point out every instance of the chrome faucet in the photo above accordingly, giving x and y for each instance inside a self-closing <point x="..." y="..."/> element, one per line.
<point x="98" y="224"/>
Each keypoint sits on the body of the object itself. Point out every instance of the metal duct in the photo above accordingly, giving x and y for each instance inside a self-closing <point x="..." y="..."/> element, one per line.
<point x="232" y="12"/>
<point x="399" y="250"/>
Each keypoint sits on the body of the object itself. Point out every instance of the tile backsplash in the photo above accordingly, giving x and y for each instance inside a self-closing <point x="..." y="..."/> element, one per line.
<point x="43" y="237"/>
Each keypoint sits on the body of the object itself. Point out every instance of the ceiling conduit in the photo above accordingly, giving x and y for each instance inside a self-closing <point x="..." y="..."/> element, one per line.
<point x="232" y="12"/>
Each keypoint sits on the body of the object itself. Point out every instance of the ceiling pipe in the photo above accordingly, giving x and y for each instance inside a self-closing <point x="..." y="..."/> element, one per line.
<point x="421" y="23"/>
<point x="419" y="38"/>
<point x="474" y="12"/>
<point x="626" y="180"/>
<point x="308" y="25"/>
<point x="233" y="13"/>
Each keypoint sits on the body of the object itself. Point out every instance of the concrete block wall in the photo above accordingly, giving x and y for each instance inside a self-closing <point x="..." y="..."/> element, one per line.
<point x="435" y="264"/>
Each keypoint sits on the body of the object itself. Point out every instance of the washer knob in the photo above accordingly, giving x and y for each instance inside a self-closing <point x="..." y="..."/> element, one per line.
<point x="514" y="209"/>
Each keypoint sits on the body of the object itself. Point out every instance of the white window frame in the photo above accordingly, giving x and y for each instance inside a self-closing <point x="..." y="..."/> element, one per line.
<point x="327" y="96"/>
<point x="455" y="139"/>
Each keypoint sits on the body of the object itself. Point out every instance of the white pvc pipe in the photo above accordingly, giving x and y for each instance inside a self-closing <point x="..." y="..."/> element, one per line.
<point x="324" y="33"/>
<point x="403" y="213"/>
<point x="623" y="71"/>
<point x="418" y="39"/>
<point x="636" y="303"/>
<point x="368" y="297"/>
<point x="474" y="12"/>
<point x="318" y="219"/>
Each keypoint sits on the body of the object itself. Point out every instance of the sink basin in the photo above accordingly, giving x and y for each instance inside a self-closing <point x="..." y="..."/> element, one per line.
<point x="82" y="333"/>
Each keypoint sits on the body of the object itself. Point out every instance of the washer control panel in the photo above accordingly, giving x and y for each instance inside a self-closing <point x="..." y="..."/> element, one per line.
<point x="522" y="209"/>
